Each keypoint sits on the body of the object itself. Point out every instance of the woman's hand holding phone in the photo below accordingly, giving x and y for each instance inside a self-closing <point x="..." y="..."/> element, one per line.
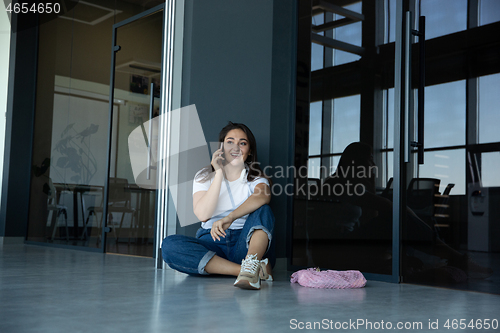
<point x="218" y="157"/>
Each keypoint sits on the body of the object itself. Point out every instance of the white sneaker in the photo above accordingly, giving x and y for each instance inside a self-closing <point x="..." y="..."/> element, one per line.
<point x="264" y="272"/>
<point x="249" y="277"/>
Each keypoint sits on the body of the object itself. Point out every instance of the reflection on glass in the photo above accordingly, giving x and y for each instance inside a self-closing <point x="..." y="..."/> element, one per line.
<point x="488" y="103"/>
<point x="316" y="56"/>
<point x="387" y="167"/>
<point x="445" y="117"/>
<point x="389" y="119"/>
<point x="317" y="51"/>
<point x="313" y="168"/>
<point x="446" y="165"/>
<point x="69" y="159"/>
<point x="137" y="81"/>
<point x="334" y="161"/>
<point x="489" y="11"/>
<point x="443" y="17"/>
<point x="345" y="122"/>
<point x="490" y="162"/>
<point x="456" y="216"/>
<point x="390" y="7"/>
<point x="342" y="57"/>
<point x="449" y="237"/>
<point x="315" y="125"/>
<point x="71" y="124"/>
<point x="343" y="230"/>
<point x="351" y="34"/>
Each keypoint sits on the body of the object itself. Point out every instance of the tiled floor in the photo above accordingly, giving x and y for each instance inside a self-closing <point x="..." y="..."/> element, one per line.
<point x="55" y="290"/>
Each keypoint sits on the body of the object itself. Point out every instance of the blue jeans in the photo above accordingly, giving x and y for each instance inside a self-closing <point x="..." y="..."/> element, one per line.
<point x="190" y="255"/>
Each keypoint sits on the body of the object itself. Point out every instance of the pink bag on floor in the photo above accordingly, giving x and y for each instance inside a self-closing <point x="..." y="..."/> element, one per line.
<point x="314" y="278"/>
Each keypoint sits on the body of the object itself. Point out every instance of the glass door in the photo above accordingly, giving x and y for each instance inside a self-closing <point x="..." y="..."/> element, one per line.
<point x="70" y="151"/>
<point x="448" y="154"/>
<point x="342" y="204"/>
<point x="412" y="125"/>
<point x="136" y="86"/>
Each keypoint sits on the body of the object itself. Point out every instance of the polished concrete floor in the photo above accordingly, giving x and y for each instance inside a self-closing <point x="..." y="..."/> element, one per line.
<point x="56" y="290"/>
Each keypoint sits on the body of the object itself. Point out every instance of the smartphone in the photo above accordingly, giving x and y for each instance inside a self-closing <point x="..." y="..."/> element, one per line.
<point x="222" y="148"/>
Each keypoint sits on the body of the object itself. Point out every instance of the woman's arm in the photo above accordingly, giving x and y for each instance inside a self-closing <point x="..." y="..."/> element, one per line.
<point x="261" y="196"/>
<point x="204" y="202"/>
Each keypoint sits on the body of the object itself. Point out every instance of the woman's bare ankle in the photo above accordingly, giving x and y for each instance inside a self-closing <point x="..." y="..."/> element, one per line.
<point x="218" y="265"/>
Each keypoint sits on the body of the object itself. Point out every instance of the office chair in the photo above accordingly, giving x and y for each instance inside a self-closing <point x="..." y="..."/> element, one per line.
<point x="119" y="202"/>
<point x="56" y="209"/>
<point x="422" y="196"/>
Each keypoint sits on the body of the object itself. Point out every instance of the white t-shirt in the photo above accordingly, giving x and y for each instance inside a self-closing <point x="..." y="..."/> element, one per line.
<point x="231" y="196"/>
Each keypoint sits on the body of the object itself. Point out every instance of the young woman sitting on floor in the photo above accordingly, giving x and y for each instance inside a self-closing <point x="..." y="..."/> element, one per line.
<point x="230" y="197"/>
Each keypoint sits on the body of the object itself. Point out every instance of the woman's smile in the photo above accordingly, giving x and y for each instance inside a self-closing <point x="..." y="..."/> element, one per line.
<point x="236" y="147"/>
<point x="236" y="154"/>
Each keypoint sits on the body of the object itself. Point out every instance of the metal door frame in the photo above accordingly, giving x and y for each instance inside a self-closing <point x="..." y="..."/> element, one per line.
<point x="167" y="9"/>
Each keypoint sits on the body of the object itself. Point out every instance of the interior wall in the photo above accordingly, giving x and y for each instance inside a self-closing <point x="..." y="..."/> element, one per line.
<point x="231" y="52"/>
<point x="282" y="137"/>
<point x="229" y="55"/>
<point x="227" y="69"/>
<point x="18" y="128"/>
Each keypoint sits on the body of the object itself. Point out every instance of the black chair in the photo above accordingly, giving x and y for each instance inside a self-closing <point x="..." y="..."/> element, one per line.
<point x="56" y="209"/>
<point x="119" y="202"/>
<point x="441" y="212"/>
<point x="442" y="224"/>
<point x="387" y="192"/>
<point x="422" y="195"/>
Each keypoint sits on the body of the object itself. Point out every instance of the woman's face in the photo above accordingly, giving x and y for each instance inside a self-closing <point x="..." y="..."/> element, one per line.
<point x="236" y="147"/>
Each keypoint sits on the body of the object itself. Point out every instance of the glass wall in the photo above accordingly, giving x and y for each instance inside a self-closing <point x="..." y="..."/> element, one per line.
<point x="350" y="33"/>
<point x="334" y="225"/>
<point x="443" y="162"/>
<point x="321" y="56"/>
<point x="489" y="11"/>
<point x="448" y="217"/>
<point x="443" y="17"/>
<point x="449" y="221"/>
<point x="488" y="101"/>
<point x="72" y="123"/>
<point x="317" y="50"/>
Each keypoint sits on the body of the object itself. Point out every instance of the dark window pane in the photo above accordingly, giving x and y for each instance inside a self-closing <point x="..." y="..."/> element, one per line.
<point x="391" y="20"/>
<point x="345" y="126"/>
<point x="446" y="165"/>
<point x="315" y="124"/>
<point x="389" y="119"/>
<point x="351" y="34"/>
<point x="489" y="169"/>
<point x="489" y="11"/>
<point x="445" y="114"/>
<point x="489" y="115"/>
<point x="317" y="51"/>
<point x="443" y="17"/>
<point x="313" y="168"/>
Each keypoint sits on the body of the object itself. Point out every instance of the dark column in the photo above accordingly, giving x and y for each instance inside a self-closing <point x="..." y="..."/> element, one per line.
<point x="19" y="127"/>
<point x="371" y="92"/>
<point x="283" y="114"/>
